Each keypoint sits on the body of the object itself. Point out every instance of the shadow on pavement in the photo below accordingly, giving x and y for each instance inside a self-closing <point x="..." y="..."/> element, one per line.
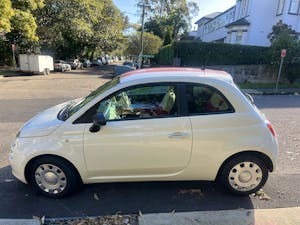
<point x="21" y="201"/>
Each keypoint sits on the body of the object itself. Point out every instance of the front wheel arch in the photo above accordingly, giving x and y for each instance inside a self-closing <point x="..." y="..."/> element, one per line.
<point x="30" y="163"/>
<point x="266" y="159"/>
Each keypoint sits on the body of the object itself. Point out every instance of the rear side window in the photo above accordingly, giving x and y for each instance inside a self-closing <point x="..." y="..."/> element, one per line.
<point x="204" y="99"/>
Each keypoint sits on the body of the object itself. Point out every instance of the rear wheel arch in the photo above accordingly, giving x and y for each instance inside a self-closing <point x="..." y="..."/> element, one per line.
<point x="31" y="161"/>
<point x="266" y="159"/>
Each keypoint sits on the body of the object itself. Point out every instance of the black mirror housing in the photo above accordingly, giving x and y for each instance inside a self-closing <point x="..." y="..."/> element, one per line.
<point x="98" y="121"/>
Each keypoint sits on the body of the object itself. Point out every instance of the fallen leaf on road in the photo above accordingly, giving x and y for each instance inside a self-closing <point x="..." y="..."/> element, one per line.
<point x="197" y="192"/>
<point x="9" y="180"/>
<point x="262" y="195"/>
<point x="96" y="196"/>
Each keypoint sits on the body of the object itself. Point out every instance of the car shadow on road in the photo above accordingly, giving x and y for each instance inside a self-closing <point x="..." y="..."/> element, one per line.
<point x="21" y="201"/>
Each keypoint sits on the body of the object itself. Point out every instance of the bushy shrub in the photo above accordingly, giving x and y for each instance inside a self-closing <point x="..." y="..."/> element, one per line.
<point x="193" y="53"/>
<point x="5" y="53"/>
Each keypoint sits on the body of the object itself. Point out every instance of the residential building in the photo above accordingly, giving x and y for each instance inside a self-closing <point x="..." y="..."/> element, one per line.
<point x="248" y="22"/>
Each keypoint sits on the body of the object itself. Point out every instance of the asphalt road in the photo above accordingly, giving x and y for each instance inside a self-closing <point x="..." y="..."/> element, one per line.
<point x="23" y="97"/>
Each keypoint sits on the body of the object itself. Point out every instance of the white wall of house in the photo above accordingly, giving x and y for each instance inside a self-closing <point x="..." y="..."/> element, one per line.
<point x="261" y="14"/>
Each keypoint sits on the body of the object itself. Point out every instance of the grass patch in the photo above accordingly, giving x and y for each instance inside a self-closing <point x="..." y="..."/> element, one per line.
<point x="271" y="85"/>
<point x="8" y="73"/>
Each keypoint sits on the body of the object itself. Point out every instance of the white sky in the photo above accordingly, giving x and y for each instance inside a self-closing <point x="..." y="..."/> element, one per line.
<point x="205" y="7"/>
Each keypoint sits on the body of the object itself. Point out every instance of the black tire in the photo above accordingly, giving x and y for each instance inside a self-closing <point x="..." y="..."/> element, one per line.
<point x="228" y="168"/>
<point x="72" y="177"/>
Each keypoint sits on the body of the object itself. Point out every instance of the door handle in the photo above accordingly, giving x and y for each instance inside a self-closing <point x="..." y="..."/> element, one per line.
<point x="179" y="135"/>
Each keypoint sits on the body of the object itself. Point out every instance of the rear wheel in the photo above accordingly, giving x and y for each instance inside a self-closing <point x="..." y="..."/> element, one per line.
<point x="53" y="177"/>
<point x="244" y="174"/>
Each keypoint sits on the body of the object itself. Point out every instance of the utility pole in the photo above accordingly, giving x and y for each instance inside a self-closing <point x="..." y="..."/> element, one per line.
<point x="143" y="5"/>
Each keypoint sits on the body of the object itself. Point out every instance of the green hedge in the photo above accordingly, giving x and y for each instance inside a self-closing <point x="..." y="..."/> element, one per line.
<point x="165" y="55"/>
<point x="194" y="53"/>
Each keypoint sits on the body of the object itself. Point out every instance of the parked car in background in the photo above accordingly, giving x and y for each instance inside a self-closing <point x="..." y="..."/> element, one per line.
<point x="75" y="64"/>
<point x="96" y="62"/>
<point x="60" y="65"/>
<point x="130" y="64"/>
<point x="86" y="63"/>
<point x="158" y="124"/>
<point x="103" y="60"/>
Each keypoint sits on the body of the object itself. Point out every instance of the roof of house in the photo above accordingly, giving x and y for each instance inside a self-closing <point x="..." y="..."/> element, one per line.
<point x="172" y="72"/>
<point x="240" y="22"/>
<point x="209" y="16"/>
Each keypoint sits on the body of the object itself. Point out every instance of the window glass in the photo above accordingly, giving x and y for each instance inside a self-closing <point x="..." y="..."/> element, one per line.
<point x="140" y="102"/>
<point x="202" y="99"/>
<point x="280" y="7"/>
<point x="239" y="37"/>
<point x="294" y="6"/>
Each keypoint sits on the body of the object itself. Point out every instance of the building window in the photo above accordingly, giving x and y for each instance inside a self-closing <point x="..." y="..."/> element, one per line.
<point x="280" y="7"/>
<point x="238" y="37"/>
<point x="294" y="7"/>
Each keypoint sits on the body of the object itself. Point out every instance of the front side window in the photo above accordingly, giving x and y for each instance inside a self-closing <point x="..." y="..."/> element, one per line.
<point x="294" y="6"/>
<point x="280" y="7"/>
<point x="203" y="99"/>
<point x="74" y="106"/>
<point x="139" y="102"/>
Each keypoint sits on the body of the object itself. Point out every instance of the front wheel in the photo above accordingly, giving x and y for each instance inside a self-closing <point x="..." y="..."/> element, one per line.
<point x="53" y="177"/>
<point x="244" y="174"/>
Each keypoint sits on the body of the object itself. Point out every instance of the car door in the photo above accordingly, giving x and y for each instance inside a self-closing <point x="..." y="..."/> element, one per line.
<point x="214" y="125"/>
<point x="144" y="134"/>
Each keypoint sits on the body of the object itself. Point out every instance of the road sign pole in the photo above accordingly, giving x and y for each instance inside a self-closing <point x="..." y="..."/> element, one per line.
<point x="279" y="73"/>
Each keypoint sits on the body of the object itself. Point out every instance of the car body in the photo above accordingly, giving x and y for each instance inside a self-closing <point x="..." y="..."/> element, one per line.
<point x="86" y="63"/>
<point x="96" y="62"/>
<point x="60" y="65"/>
<point x="130" y="64"/>
<point x="75" y="64"/>
<point x="158" y="124"/>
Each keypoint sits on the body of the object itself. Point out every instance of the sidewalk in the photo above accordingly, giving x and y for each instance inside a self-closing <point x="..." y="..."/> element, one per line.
<point x="272" y="91"/>
<point x="280" y="216"/>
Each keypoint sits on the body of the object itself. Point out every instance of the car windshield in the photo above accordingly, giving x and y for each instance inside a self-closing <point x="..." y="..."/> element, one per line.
<point x="74" y="106"/>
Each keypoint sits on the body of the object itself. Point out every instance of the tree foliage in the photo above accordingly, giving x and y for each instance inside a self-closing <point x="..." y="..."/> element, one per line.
<point x="152" y="44"/>
<point x="169" y="18"/>
<point x="75" y="27"/>
<point x="284" y="37"/>
<point x="6" y="12"/>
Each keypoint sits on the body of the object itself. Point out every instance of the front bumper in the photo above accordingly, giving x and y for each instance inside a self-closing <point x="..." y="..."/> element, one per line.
<point x="16" y="160"/>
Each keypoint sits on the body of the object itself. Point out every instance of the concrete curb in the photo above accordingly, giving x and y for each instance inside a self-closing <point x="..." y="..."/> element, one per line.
<point x="282" y="216"/>
<point x="20" y="222"/>
<point x="272" y="91"/>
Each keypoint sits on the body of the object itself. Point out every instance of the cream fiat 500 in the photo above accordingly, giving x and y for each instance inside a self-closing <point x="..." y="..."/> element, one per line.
<point x="158" y="124"/>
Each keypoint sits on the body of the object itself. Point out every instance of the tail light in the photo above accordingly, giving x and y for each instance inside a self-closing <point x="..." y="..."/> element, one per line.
<point x="271" y="129"/>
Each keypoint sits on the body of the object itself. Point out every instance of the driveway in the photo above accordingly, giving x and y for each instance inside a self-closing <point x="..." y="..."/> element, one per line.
<point x="23" y="97"/>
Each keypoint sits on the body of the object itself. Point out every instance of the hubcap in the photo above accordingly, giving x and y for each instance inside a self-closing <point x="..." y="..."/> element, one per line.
<point x="50" y="178"/>
<point x="245" y="176"/>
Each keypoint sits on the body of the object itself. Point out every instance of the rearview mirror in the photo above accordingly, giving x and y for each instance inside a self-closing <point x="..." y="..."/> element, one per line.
<point x="98" y="121"/>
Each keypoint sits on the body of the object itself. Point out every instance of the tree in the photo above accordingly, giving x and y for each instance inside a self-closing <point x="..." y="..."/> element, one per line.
<point x="6" y="12"/>
<point x="284" y="37"/>
<point x="170" y="17"/>
<point x="79" y="28"/>
<point x="152" y="44"/>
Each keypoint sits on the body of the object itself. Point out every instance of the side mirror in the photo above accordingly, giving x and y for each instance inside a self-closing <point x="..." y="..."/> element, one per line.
<point x="98" y="121"/>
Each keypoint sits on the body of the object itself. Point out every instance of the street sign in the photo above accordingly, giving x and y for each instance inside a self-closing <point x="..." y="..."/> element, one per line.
<point x="283" y="53"/>
<point x="13" y="47"/>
